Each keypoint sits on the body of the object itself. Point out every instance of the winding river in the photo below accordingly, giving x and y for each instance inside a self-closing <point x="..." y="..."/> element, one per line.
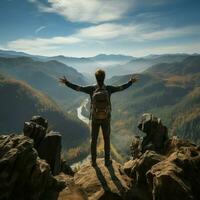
<point x="80" y="112"/>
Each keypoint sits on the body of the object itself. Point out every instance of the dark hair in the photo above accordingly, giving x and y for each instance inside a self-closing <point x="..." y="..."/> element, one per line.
<point x="100" y="76"/>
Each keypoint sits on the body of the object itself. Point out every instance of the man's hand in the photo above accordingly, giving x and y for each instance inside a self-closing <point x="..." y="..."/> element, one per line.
<point x="63" y="80"/>
<point x="134" y="78"/>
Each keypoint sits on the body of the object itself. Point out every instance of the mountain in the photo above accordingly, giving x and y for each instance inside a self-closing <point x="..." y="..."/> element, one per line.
<point x="138" y="65"/>
<point x="111" y="59"/>
<point x="171" y="91"/>
<point x="44" y="77"/>
<point x="83" y="65"/>
<point x="11" y="54"/>
<point x="19" y="102"/>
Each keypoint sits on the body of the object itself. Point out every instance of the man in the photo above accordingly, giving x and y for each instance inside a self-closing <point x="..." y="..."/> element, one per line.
<point x="100" y="110"/>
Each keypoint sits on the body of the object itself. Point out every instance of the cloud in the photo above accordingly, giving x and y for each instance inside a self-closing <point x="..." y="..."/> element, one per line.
<point x="103" y="36"/>
<point x="93" y="11"/>
<point x="134" y="33"/>
<point x="106" y="31"/>
<point x="41" y="44"/>
<point x="39" y="29"/>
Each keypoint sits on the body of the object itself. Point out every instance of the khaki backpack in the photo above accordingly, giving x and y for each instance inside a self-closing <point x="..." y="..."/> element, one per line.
<point x="100" y="106"/>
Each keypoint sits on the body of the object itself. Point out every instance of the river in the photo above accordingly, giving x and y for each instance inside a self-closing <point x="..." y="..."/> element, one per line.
<point x="80" y="111"/>
<point x="85" y="120"/>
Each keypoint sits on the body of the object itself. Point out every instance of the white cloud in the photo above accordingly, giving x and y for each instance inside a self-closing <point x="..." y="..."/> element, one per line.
<point x="171" y="33"/>
<point x="102" y="36"/>
<point x="41" y="44"/>
<point x="39" y="29"/>
<point x="106" y="31"/>
<point x="134" y="33"/>
<point x="93" y="11"/>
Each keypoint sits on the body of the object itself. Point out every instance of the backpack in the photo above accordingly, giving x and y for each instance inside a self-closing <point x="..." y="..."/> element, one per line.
<point x="100" y="107"/>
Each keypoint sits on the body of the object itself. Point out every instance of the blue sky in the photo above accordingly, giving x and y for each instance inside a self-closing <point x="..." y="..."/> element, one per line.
<point x="89" y="27"/>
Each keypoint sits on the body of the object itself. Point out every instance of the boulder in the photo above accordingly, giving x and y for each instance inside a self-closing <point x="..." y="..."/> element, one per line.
<point x="35" y="132"/>
<point x="22" y="174"/>
<point x="177" y="177"/>
<point x="128" y="166"/>
<point x="143" y="164"/>
<point x="48" y="145"/>
<point x="174" y="143"/>
<point x="50" y="150"/>
<point x="65" y="168"/>
<point x="156" y="133"/>
<point x="40" y="121"/>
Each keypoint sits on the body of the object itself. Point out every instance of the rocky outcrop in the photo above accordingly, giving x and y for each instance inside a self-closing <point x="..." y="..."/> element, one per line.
<point x="178" y="176"/>
<point x="174" y="175"/>
<point x="47" y="144"/>
<point x="99" y="183"/>
<point x="23" y="175"/>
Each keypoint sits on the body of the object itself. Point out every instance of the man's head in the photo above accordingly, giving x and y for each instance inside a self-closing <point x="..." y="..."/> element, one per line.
<point x="100" y="76"/>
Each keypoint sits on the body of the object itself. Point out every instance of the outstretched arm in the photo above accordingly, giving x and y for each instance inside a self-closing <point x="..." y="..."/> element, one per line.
<point x="124" y="86"/>
<point x="85" y="89"/>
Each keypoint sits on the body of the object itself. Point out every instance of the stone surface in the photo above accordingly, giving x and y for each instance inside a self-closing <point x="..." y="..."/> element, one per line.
<point x="50" y="150"/>
<point x="40" y="121"/>
<point x="35" y="132"/>
<point x="156" y="133"/>
<point x="99" y="183"/>
<point x="143" y="164"/>
<point x="48" y="145"/>
<point x="177" y="177"/>
<point x="22" y="174"/>
<point x="65" y="168"/>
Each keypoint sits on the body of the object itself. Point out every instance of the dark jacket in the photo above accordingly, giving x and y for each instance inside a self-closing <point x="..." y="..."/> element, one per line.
<point x="91" y="88"/>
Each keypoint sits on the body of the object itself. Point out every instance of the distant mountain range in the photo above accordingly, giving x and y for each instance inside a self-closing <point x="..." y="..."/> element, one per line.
<point x="114" y="64"/>
<point x="138" y="65"/>
<point x="19" y="102"/>
<point x="44" y="77"/>
<point x="169" y="90"/>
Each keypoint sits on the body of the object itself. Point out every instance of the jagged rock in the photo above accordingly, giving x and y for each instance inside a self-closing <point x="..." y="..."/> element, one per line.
<point x="35" y="132"/>
<point x="156" y="133"/>
<point x="22" y="174"/>
<point x="50" y="150"/>
<point x="65" y="168"/>
<point x="128" y="166"/>
<point x="174" y="143"/>
<point x="177" y="177"/>
<point x="143" y="164"/>
<point x="48" y="145"/>
<point x="40" y="121"/>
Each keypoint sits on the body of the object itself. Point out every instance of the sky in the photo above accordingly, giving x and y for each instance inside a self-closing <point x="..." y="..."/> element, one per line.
<point x="84" y="28"/>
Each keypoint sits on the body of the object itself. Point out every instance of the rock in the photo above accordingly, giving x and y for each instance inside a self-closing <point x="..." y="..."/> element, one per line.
<point x="156" y="133"/>
<point x="103" y="183"/>
<point x="40" y="121"/>
<point x="50" y="150"/>
<point x="173" y="144"/>
<point x="22" y="174"/>
<point x="143" y="164"/>
<point x="35" y="132"/>
<point x="48" y="145"/>
<point x="65" y="168"/>
<point x="177" y="177"/>
<point x="128" y="166"/>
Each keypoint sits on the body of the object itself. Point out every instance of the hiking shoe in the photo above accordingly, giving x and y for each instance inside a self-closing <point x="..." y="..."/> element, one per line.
<point x="108" y="162"/>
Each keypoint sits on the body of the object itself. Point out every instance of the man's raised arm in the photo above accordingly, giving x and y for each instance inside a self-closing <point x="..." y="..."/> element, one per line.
<point x="124" y="86"/>
<point x="85" y="89"/>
